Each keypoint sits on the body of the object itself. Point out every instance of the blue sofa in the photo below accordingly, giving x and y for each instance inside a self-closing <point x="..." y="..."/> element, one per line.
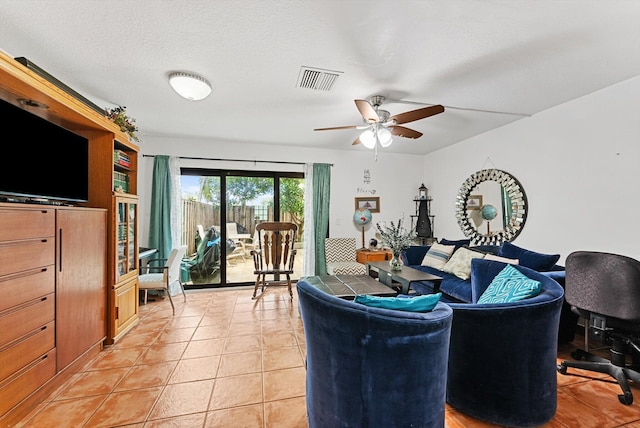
<point x="456" y="290"/>
<point x="503" y="356"/>
<point x="373" y="367"/>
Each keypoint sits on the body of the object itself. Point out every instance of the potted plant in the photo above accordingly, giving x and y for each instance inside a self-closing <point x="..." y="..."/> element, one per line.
<point x="118" y="115"/>
<point x="397" y="239"/>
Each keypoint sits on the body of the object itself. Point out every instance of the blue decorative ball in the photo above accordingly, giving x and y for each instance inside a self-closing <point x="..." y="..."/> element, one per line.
<point x="362" y="217"/>
<point x="489" y="212"/>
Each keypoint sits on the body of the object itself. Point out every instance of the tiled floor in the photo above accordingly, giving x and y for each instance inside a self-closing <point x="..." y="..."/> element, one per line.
<point x="225" y="360"/>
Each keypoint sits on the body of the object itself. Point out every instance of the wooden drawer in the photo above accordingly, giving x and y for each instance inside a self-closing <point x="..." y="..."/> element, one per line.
<point x="365" y="256"/>
<point x="19" y="288"/>
<point x="18" y="256"/>
<point x="27" y="223"/>
<point x="17" y="387"/>
<point x="20" y="320"/>
<point x="26" y="349"/>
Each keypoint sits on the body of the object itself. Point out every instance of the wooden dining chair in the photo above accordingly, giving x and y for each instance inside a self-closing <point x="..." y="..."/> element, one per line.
<point x="274" y="255"/>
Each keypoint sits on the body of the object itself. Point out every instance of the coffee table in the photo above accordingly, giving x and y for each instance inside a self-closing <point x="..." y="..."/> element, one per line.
<point x="404" y="277"/>
<point x="338" y="285"/>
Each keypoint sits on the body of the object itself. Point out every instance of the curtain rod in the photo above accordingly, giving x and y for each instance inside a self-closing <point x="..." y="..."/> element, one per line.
<point x="233" y="160"/>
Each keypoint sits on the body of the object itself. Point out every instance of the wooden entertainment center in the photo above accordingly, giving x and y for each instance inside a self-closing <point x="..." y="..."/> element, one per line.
<point x="68" y="273"/>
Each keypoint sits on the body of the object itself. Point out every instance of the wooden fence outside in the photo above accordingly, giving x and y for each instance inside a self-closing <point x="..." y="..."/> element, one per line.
<point x="207" y="215"/>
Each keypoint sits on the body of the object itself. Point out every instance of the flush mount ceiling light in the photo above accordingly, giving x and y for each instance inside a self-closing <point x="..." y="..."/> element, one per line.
<point x="190" y="86"/>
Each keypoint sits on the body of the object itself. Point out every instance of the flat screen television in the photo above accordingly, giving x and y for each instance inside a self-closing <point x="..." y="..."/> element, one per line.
<point x="43" y="161"/>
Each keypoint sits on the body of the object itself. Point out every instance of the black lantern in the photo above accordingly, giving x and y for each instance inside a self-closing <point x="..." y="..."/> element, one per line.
<point x="423" y="192"/>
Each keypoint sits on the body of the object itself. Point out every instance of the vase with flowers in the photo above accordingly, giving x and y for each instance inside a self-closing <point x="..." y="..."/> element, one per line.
<point x="397" y="239"/>
<point x="118" y="115"/>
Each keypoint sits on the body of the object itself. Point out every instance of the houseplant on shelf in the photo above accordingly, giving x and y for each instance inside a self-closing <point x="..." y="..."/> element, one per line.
<point x="118" y="115"/>
<point x="397" y="239"/>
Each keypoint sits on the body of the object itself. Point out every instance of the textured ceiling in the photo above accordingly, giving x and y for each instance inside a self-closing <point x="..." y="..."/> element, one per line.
<point x="513" y="56"/>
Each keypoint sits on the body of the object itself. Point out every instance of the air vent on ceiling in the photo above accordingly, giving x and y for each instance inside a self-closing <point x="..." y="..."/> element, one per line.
<point x="317" y="78"/>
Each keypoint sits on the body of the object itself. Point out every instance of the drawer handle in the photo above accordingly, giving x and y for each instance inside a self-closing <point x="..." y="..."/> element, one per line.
<point x="23" y="338"/>
<point x="23" y="274"/>
<point x="31" y="241"/>
<point x="23" y="370"/>
<point x="23" y="306"/>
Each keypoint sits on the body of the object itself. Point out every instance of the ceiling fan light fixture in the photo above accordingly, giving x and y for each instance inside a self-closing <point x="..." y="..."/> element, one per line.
<point x="190" y="86"/>
<point x="384" y="136"/>
<point x="368" y="139"/>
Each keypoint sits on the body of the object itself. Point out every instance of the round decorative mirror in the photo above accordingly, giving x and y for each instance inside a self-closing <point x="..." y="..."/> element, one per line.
<point x="491" y="207"/>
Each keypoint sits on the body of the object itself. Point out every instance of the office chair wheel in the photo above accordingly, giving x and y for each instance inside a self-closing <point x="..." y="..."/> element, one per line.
<point x="626" y="398"/>
<point x="562" y="369"/>
<point x="579" y="354"/>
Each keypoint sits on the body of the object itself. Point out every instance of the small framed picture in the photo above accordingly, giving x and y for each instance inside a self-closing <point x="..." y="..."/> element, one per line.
<point x="372" y="204"/>
<point x="474" y="202"/>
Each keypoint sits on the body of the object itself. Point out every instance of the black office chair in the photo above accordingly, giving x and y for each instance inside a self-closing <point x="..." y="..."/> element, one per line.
<point x="604" y="289"/>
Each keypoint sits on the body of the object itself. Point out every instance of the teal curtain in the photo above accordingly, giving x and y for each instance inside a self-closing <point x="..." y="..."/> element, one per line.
<point x="321" y="197"/>
<point x="160" y="216"/>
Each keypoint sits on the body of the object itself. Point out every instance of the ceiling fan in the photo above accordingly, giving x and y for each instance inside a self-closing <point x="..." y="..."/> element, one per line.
<point x="379" y="125"/>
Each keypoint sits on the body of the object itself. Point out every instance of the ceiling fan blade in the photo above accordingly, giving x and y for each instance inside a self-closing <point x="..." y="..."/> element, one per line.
<point x="421" y="113"/>
<point x="367" y="111"/>
<point x="356" y="141"/>
<point x="337" y="127"/>
<point x="401" y="131"/>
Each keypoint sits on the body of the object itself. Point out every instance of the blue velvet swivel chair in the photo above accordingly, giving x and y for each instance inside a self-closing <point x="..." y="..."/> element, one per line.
<point x="503" y="356"/>
<point x="372" y="367"/>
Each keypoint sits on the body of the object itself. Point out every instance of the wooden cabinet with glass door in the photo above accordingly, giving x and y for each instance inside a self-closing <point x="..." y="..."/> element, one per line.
<point x="113" y="162"/>
<point x="123" y="297"/>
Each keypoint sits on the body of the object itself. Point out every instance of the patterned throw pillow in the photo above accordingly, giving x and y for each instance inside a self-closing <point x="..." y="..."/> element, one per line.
<point x="510" y="285"/>
<point x="460" y="263"/>
<point x="437" y="255"/>
<point x="501" y="259"/>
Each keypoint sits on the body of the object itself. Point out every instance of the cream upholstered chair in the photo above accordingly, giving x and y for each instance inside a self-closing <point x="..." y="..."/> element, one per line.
<point x="165" y="276"/>
<point x="340" y="255"/>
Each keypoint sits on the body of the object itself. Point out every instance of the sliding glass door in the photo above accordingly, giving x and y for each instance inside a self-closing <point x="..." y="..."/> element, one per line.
<point x="201" y="229"/>
<point x="249" y="201"/>
<point x="220" y="210"/>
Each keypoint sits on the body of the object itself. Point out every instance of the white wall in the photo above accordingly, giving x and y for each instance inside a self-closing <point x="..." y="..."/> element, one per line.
<point x="578" y="164"/>
<point x="394" y="178"/>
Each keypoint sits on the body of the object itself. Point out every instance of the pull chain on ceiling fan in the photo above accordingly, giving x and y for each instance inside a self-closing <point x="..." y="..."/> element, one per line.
<point x="379" y="126"/>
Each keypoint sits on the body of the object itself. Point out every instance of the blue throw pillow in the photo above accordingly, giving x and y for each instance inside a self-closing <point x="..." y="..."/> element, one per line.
<point x="510" y="285"/>
<point x="424" y="303"/>
<point x="531" y="259"/>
